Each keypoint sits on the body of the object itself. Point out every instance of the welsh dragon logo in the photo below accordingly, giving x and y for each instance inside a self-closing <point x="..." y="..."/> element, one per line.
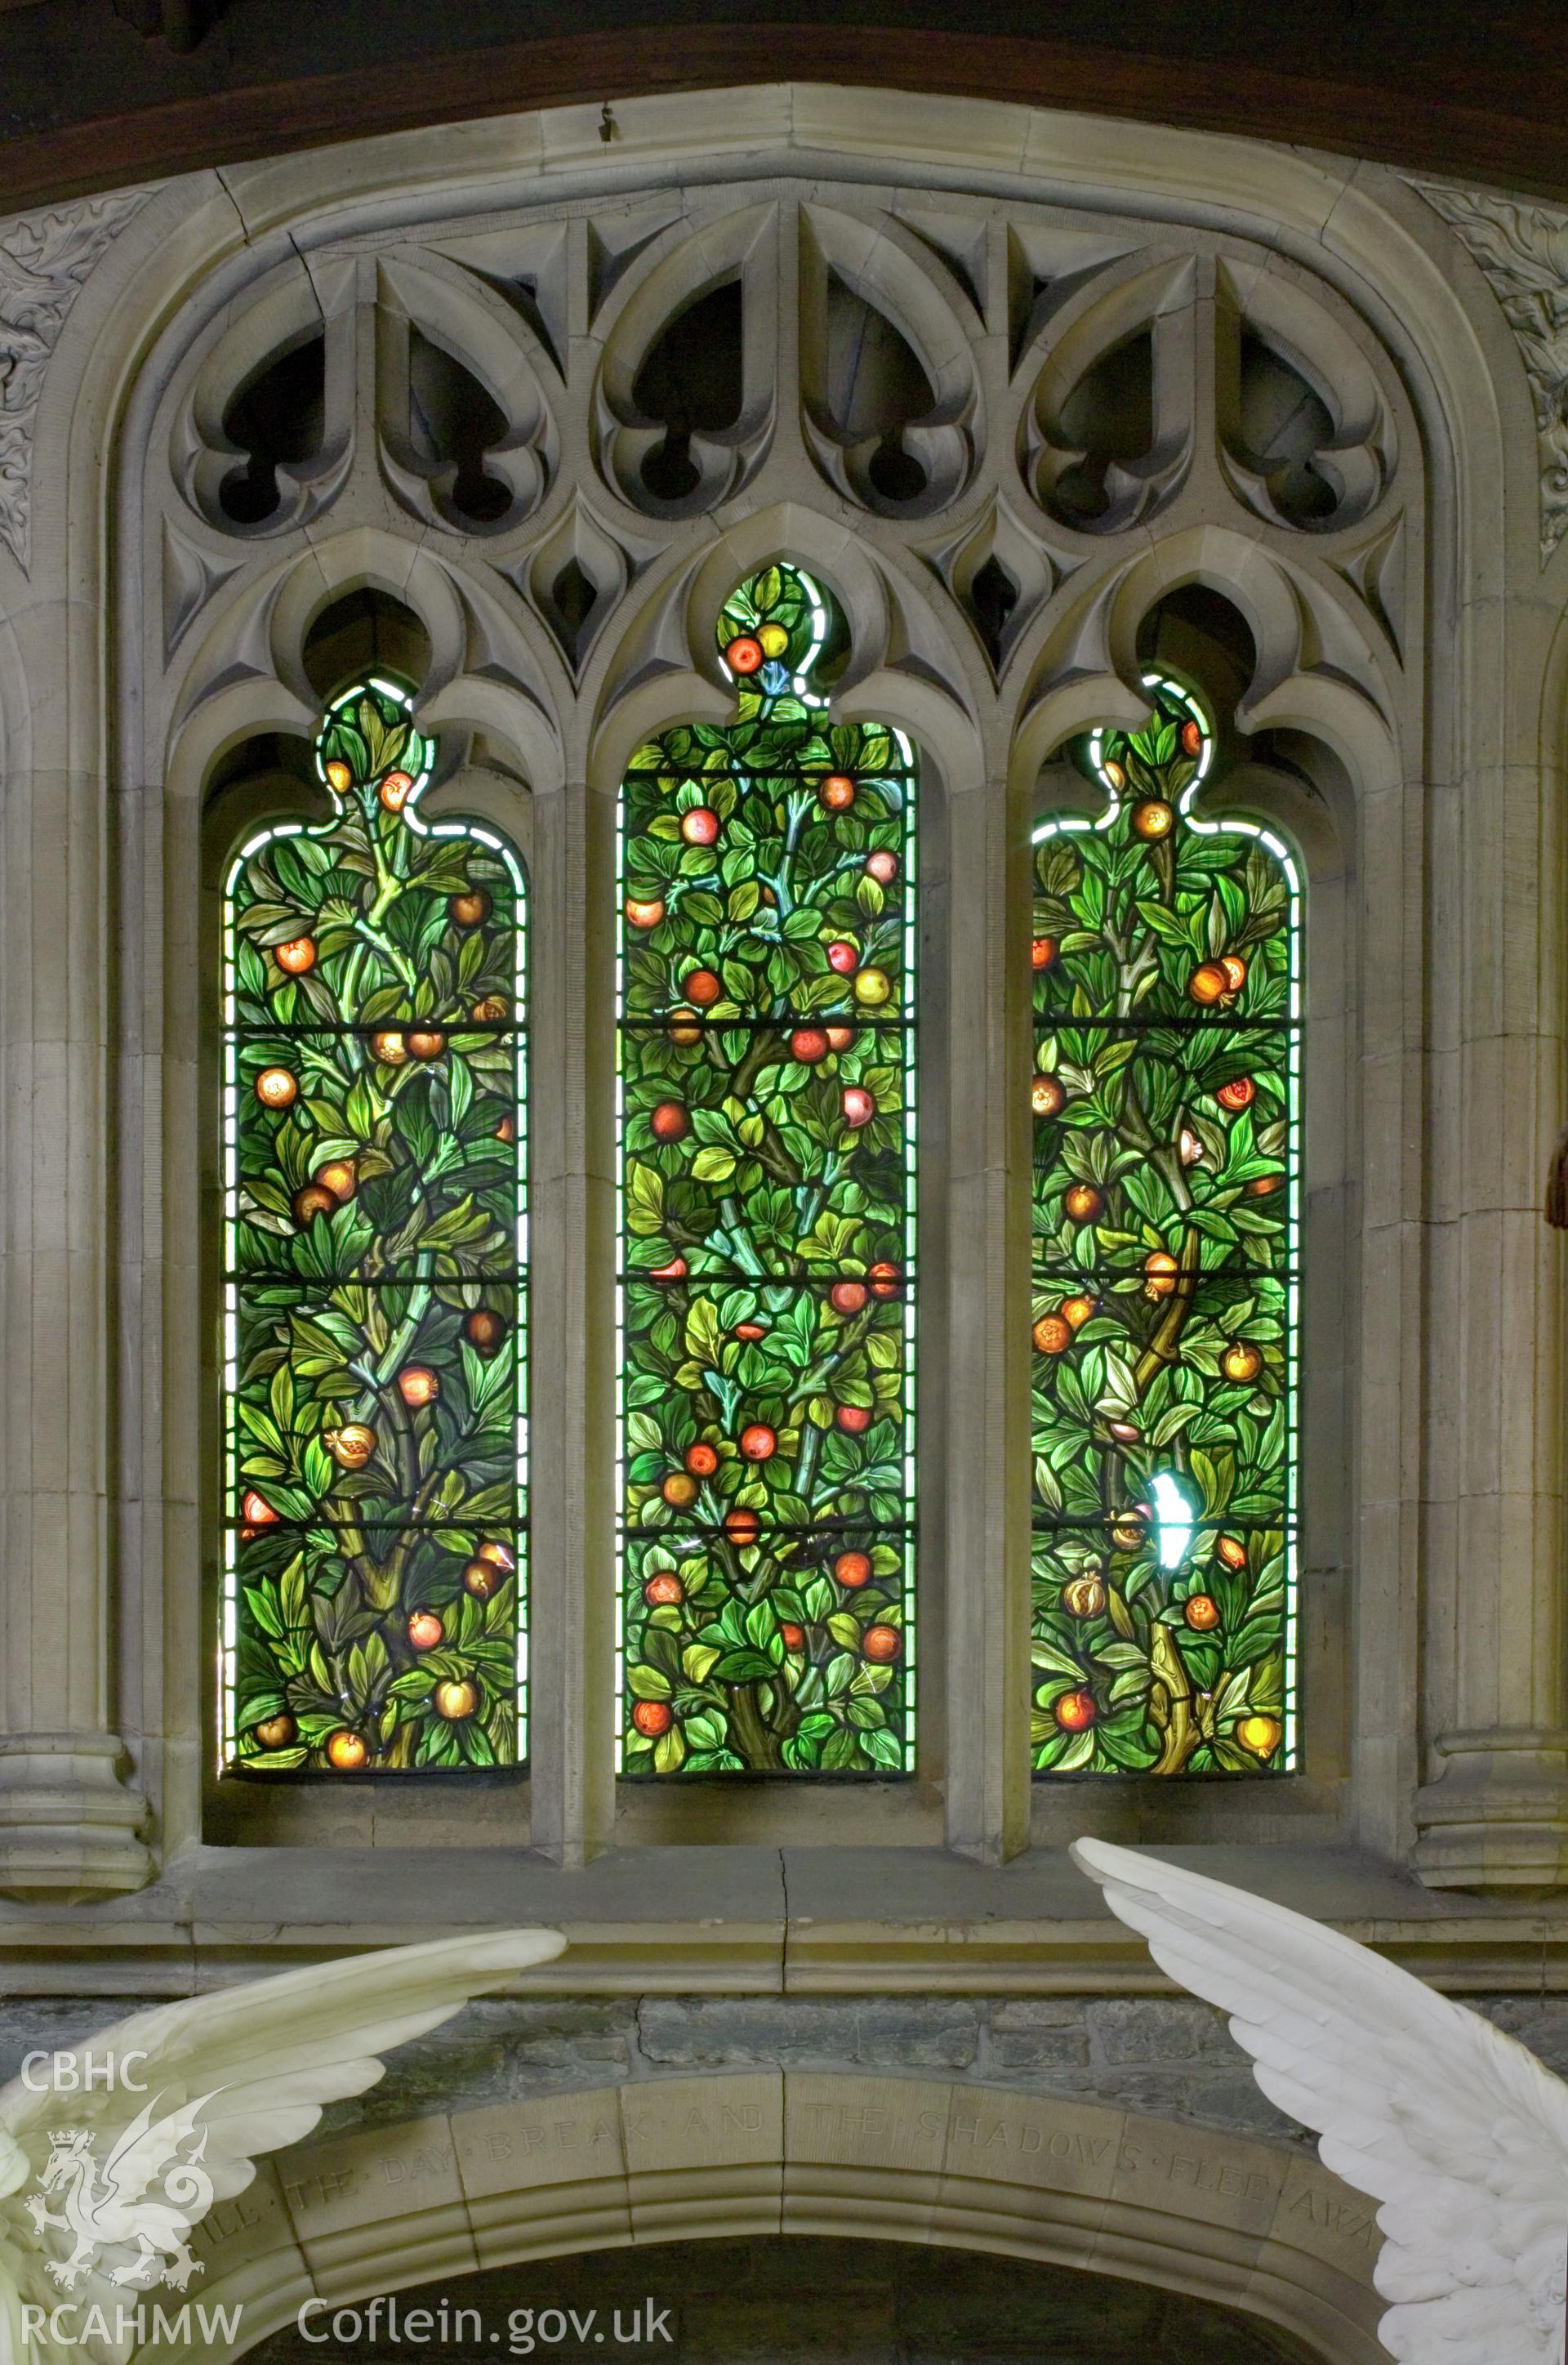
<point x="131" y="2215"/>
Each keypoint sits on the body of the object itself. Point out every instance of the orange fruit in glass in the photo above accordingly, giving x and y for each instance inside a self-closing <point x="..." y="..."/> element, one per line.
<point x="1160" y="1271"/>
<point x="276" y="1089"/>
<point x="313" y="1201"/>
<point x="1075" y="1711"/>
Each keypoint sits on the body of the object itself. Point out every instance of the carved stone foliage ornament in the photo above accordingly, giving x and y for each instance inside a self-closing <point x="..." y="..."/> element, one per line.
<point x="44" y="259"/>
<point x="1523" y="249"/>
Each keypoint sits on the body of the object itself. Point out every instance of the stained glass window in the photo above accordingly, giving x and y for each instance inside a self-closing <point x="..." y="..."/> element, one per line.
<point x="1166" y="971"/>
<point x="374" y="1253"/>
<point x="767" y="1201"/>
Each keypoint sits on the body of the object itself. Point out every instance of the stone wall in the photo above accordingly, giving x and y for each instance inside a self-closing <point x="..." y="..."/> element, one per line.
<point x="1172" y="2057"/>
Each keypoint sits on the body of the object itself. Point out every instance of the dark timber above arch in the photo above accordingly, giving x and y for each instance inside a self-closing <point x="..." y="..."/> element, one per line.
<point x="103" y="91"/>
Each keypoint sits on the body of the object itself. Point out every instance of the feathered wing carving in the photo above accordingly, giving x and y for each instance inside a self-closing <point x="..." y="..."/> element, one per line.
<point x="226" y="2078"/>
<point x="1460" y="2133"/>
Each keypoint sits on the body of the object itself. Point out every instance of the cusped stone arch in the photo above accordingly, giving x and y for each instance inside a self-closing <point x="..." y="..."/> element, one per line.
<point x="907" y="665"/>
<point x="490" y="664"/>
<point x="643" y="303"/>
<point x="1250" y="2225"/>
<point x="1317" y="668"/>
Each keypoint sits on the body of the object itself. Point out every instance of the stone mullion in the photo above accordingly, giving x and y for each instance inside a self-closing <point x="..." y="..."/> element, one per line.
<point x="986" y="1438"/>
<point x="1496" y="1816"/>
<point x="574" y="1257"/>
<point x="67" y="1825"/>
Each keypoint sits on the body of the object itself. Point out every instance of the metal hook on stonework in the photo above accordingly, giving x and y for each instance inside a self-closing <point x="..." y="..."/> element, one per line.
<point x="608" y="129"/>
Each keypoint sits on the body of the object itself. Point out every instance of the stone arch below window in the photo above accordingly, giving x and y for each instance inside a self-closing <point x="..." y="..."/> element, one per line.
<point x="1248" y="2226"/>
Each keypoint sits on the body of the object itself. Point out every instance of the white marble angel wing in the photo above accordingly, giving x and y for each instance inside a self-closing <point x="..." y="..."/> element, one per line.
<point x="1459" y="2132"/>
<point x="249" y="2068"/>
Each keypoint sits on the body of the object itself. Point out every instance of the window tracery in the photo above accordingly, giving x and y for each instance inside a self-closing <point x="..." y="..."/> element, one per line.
<point x="1094" y="415"/>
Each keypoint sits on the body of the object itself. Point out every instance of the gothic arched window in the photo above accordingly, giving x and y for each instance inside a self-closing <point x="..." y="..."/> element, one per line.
<point x="1167" y="960"/>
<point x="375" y="1255"/>
<point x="767" y="1167"/>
